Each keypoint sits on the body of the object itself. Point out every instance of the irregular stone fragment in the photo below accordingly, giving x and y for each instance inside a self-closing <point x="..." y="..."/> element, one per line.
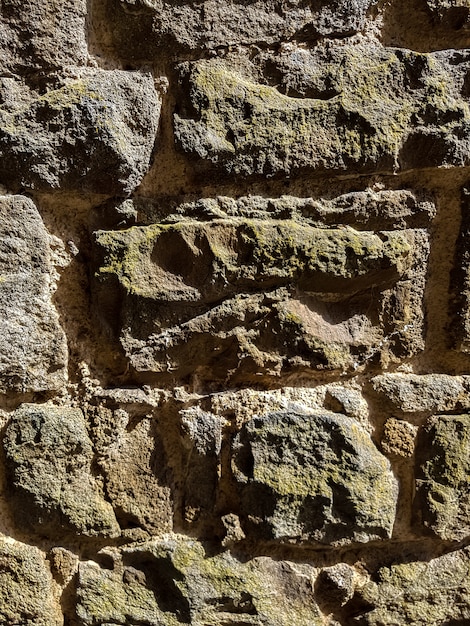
<point x="91" y="133"/>
<point x="442" y="476"/>
<point x="42" y="35"/>
<point x="313" y="477"/>
<point x="49" y="461"/>
<point x="202" y="438"/>
<point x="26" y="587"/>
<point x="334" y="586"/>
<point x="459" y="324"/>
<point x="385" y="112"/>
<point x="431" y="593"/>
<point x="268" y="293"/>
<point x="142" y="30"/>
<point x="33" y="349"/>
<point x="172" y="581"/>
<point x="131" y="457"/>
<point x="398" y="438"/>
<point x="412" y="393"/>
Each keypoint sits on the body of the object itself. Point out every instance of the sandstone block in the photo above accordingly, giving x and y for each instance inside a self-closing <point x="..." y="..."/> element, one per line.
<point x="49" y="461"/>
<point x="173" y="581"/>
<point x="380" y="110"/>
<point x="26" y="587"/>
<point x="132" y="459"/>
<point x="143" y="30"/>
<point x="42" y="36"/>
<point x="442" y="473"/>
<point x="429" y="393"/>
<point x="261" y="295"/>
<point x="429" y="593"/>
<point x="313" y="477"/>
<point x="93" y="133"/>
<point x="33" y="349"/>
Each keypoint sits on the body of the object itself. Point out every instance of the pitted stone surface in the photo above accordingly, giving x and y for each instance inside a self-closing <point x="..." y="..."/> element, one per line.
<point x="386" y="111"/>
<point x="49" y="460"/>
<point x="33" y="350"/>
<point x="264" y="295"/>
<point x="313" y="477"/>
<point x="26" y="586"/>
<point x="423" y="594"/>
<point x="142" y="30"/>
<point x="442" y="475"/>
<point x="174" y="581"/>
<point x="94" y="132"/>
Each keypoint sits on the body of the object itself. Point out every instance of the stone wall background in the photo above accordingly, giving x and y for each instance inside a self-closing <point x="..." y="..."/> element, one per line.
<point x="234" y="293"/>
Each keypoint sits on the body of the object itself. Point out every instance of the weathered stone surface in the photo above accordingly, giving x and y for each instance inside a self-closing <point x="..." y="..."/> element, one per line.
<point x="94" y="132"/>
<point x="386" y="209"/>
<point x="313" y="477"/>
<point x="268" y="295"/>
<point x="453" y="13"/>
<point x="398" y="438"/>
<point x="381" y="110"/>
<point x="49" y="461"/>
<point x="131" y="457"/>
<point x="26" y="587"/>
<point x="459" y="326"/>
<point x="33" y="351"/>
<point x="429" y="393"/>
<point x="146" y="28"/>
<point x="172" y="581"/>
<point x="442" y="475"/>
<point x="202" y="440"/>
<point x="42" y="35"/>
<point x="430" y="593"/>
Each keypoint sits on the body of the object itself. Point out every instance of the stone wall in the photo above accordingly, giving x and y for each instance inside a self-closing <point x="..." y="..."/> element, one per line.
<point x="234" y="297"/>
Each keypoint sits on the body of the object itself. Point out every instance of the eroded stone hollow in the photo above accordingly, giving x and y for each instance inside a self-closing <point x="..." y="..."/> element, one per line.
<point x="234" y="296"/>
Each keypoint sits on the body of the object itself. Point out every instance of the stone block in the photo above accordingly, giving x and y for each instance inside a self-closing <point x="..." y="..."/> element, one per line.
<point x="262" y="296"/>
<point x="145" y="29"/>
<point x="49" y="459"/>
<point x="426" y="593"/>
<point x="442" y="500"/>
<point x="313" y="477"/>
<point x="175" y="580"/>
<point x="94" y="132"/>
<point x="27" y="594"/>
<point x="33" y="349"/>
<point x="426" y="393"/>
<point x="366" y="109"/>
<point x="37" y="37"/>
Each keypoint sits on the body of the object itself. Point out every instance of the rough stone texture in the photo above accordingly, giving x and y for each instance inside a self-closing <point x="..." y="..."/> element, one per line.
<point x="460" y="330"/>
<point x="261" y="294"/>
<point x="42" y="35"/>
<point x="379" y="109"/>
<point x="33" y="351"/>
<point x="422" y="594"/>
<point x="234" y="297"/>
<point x="133" y="462"/>
<point x="26" y="587"/>
<point x="314" y="477"/>
<point x="94" y="132"/>
<point x="49" y="458"/>
<point x="429" y="393"/>
<point x="172" y="581"/>
<point x="442" y="469"/>
<point x="143" y="29"/>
